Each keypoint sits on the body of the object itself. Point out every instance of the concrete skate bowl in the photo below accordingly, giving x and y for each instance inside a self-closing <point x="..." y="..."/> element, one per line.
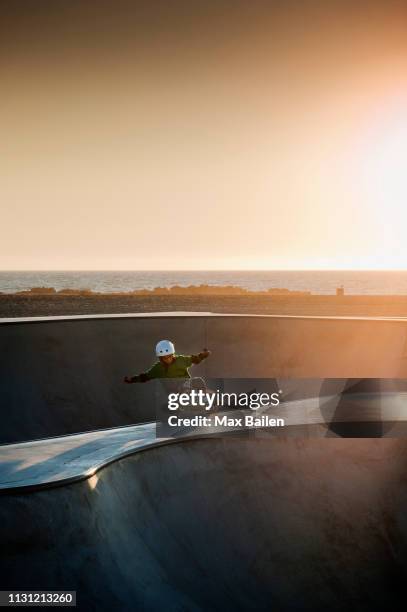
<point x="221" y="524"/>
<point x="63" y="376"/>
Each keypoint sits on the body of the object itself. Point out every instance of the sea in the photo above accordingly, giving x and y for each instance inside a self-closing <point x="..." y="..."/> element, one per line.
<point x="318" y="282"/>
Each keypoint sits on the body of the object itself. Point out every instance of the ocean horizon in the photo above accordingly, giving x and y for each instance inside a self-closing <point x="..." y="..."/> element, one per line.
<point x="355" y="282"/>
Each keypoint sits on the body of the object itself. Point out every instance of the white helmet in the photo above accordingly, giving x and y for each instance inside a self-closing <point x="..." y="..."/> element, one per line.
<point x="164" y="347"/>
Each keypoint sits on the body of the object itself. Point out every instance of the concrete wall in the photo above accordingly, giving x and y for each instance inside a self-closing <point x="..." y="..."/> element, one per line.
<point x="308" y="347"/>
<point x="65" y="376"/>
<point x="232" y="524"/>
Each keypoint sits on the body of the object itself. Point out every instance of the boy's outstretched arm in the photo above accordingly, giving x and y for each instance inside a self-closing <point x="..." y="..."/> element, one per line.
<point x="152" y="373"/>
<point x="200" y="357"/>
<point x="139" y="378"/>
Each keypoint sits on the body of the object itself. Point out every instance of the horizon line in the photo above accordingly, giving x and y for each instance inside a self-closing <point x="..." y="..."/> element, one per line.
<point x="56" y="270"/>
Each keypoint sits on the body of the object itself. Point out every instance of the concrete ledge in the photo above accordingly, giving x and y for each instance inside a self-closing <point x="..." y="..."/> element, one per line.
<point x="66" y="459"/>
<point x="51" y="462"/>
<point x="177" y="314"/>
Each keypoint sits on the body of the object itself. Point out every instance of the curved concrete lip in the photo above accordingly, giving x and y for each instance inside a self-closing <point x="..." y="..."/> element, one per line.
<point x="51" y="462"/>
<point x="180" y="314"/>
<point x="62" y="460"/>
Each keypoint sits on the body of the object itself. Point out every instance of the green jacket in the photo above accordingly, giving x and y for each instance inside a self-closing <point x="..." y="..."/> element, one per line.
<point x="177" y="369"/>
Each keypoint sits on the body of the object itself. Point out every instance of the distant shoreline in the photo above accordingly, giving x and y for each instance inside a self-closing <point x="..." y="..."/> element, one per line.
<point x="162" y="291"/>
<point x="173" y="283"/>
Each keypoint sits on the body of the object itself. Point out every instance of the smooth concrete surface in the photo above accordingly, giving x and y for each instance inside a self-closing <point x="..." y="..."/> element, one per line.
<point x="276" y="524"/>
<point x="63" y="375"/>
<point x="298" y="518"/>
<point x="59" y="461"/>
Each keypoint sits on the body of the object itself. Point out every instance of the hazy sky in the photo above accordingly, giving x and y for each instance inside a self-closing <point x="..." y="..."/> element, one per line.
<point x="203" y="134"/>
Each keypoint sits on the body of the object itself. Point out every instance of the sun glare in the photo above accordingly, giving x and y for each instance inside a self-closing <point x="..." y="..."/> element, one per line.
<point x="384" y="164"/>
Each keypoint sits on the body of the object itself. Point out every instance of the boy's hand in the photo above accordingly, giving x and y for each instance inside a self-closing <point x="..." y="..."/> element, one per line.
<point x="206" y="352"/>
<point x="128" y="380"/>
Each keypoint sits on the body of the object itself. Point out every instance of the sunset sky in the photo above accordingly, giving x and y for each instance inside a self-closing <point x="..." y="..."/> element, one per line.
<point x="203" y="134"/>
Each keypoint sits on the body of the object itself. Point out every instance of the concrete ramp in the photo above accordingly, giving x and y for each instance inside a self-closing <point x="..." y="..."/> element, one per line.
<point x="244" y="522"/>
<point x="221" y="524"/>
